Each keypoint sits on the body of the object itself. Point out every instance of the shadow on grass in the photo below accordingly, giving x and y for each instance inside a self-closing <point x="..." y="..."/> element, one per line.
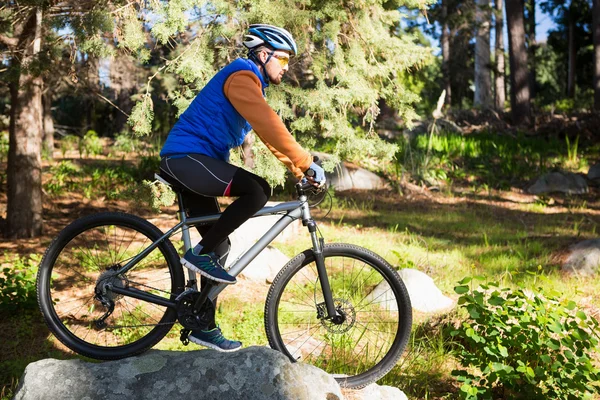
<point x="479" y="230"/>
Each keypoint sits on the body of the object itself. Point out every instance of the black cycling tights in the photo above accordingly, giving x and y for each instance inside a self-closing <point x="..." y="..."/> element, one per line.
<point x="206" y="178"/>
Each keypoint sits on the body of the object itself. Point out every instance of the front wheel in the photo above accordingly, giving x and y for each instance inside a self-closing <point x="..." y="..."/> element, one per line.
<point x="376" y="314"/>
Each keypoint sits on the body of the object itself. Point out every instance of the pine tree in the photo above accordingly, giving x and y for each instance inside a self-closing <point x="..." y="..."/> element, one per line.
<point x="351" y="57"/>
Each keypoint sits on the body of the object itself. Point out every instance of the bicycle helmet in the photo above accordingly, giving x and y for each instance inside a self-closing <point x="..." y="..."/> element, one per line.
<point x="277" y="38"/>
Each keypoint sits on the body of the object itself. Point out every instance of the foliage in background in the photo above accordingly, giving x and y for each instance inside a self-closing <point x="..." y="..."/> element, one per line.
<point x="524" y="345"/>
<point x="499" y="161"/>
<point x="17" y="283"/>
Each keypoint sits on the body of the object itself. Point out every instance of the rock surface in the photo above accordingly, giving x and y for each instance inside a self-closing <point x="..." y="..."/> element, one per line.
<point x="594" y="173"/>
<point x="584" y="259"/>
<point x="424" y="294"/>
<point x="347" y="176"/>
<point x="251" y="373"/>
<point x="565" y="182"/>
<point x="374" y="391"/>
<point x="269" y="262"/>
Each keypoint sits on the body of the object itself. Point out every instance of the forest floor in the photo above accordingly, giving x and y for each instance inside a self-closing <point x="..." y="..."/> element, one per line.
<point x="462" y="230"/>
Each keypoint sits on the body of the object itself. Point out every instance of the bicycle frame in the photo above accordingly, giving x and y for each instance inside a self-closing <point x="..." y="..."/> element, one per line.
<point x="293" y="210"/>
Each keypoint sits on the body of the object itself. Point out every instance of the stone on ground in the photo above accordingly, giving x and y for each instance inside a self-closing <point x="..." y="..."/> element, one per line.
<point x="269" y="262"/>
<point x="374" y="391"/>
<point x="251" y="373"/>
<point x="565" y="182"/>
<point x="584" y="258"/>
<point x="594" y="173"/>
<point x="424" y="294"/>
<point x="348" y="176"/>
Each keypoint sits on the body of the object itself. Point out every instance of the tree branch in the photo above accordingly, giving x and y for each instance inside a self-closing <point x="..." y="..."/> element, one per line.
<point x="9" y="41"/>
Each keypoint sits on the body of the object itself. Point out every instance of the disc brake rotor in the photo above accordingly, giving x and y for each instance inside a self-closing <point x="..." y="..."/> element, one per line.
<point x="346" y="311"/>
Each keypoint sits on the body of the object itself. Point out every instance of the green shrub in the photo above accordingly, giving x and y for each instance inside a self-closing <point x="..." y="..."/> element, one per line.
<point x="67" y="143"/>
<point x="90" y="144"/>
<point x="127" y="143"/>
<point x="61" y="177"/>
<point x="522" y="345"/>
<point x="17" y="283"/>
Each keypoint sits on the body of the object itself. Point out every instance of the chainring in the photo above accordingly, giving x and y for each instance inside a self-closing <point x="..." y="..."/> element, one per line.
<point x="186" y="314"/>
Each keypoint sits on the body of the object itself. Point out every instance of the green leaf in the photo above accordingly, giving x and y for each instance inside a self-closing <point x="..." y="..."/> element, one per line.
<point x="545" y="358"/>
<point x="530" y="372"/>
<point x="503" y="350"/>
<point x="571" y="305"/>
<point x="496" y="300"/>
<point x="473" y="312"/>
<point x="461" y="289"/>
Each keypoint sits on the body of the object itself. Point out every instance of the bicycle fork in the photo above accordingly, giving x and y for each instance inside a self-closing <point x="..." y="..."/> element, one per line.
<point x="318" y="246"/>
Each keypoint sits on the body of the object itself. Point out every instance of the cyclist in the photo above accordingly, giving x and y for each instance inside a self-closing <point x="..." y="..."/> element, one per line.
<point x="196" y="154"/>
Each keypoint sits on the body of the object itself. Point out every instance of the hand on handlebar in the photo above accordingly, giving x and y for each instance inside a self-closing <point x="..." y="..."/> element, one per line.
<point x="316" y="175"/>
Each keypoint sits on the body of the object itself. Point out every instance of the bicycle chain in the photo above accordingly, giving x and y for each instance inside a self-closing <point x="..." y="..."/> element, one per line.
<point x="137" y="326"/>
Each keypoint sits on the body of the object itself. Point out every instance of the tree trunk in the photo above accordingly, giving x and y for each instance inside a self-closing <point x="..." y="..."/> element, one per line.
<point x="123" y="83"/>
<point x="48" y="139"/>
<point x="24" y="209"/>
<point x="446" y="53"/>
<point x="519" y="74"/>
<point x="572" y="57"/>
<point x="499" y="75"/>
<point x="483" y="81"/>
<point x="596" y="35"/>
<point x="532" y="46"/>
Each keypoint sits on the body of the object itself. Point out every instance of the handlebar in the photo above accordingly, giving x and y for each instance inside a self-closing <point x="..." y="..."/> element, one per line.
<point x="303" y="188"/>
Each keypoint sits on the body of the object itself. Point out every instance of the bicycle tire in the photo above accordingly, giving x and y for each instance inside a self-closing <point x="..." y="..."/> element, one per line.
<point x="289" y="309"/>
<point x="79" y="257"/>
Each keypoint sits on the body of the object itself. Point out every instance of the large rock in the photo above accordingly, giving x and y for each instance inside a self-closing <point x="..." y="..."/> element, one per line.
<point x="251" y="373"/>
<point x="265" y="267"/>
<point x="584" y="259"/>
<point x="347" y="176"/>
<point x="269" y="262"/>
<point x="565" y="182"/>
<point x="594" y="173"/>
<point x="375" y="391"/>
<point x="424" y="294"/>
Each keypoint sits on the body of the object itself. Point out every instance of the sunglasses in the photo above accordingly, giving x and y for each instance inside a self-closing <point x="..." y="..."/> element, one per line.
<point x="283" y="60"/>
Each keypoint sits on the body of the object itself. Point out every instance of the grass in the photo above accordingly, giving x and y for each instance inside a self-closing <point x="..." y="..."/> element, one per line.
<point x="471" y="228"/>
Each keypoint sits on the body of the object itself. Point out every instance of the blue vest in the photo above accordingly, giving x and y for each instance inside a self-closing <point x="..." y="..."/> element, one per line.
<point x="211" y="125"/>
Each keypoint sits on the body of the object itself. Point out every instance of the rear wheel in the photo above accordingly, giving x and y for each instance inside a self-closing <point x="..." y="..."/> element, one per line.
<point x="76" y="274"/>
<point x="367" y="341"/>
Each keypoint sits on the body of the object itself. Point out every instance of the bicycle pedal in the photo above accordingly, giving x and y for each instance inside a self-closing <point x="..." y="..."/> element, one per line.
<point x="185" y="333"/>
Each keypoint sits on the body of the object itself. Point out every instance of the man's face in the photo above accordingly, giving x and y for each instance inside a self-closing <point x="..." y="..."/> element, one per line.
<point x="277" y="65"/>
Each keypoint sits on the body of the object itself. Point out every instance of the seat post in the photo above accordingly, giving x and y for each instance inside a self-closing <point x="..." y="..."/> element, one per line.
<point x="185" y="232"/>
<point x="187" y="241"/>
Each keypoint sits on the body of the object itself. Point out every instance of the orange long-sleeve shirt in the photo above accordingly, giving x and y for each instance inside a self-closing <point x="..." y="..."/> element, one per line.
<point x="243" y="90"/>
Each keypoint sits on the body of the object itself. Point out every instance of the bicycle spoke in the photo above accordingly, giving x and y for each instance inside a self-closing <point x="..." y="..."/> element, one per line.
<point x="82" y="266"/>
<point x="364" y="331"/>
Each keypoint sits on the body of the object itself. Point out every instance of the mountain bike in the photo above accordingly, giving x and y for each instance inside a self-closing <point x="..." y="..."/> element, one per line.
<point x="111" y="286"/>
